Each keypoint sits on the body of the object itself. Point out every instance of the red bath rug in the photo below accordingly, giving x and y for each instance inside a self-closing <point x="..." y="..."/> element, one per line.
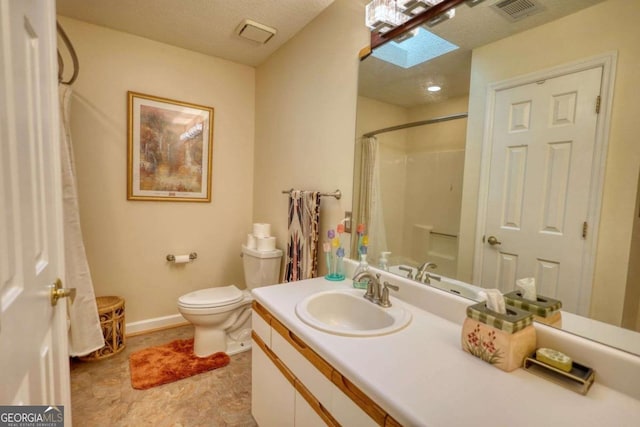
<point x="155" y="366"/>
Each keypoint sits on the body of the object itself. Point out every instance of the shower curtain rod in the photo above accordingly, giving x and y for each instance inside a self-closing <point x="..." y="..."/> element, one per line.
<point x="72" y="53"/>
<point x="419" y="123"/>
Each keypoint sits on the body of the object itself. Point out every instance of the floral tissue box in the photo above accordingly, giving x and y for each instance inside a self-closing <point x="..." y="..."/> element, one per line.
<point x="502" y="340"/>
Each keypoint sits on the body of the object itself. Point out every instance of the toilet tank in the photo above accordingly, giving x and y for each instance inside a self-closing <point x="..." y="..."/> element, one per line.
<point x="261" y="268"/>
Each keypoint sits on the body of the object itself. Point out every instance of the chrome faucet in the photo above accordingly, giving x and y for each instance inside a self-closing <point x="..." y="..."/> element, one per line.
<point x="377" y="293"/>
<point x="373" y="285"/>
<point x="409" y="271"/>
<point x="384" y="297"/>
<point x="423" y="276"/>
<point x="428" y="277"/>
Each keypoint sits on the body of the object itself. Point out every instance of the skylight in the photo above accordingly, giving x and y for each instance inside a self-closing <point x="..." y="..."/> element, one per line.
<point x="415" y="50"/>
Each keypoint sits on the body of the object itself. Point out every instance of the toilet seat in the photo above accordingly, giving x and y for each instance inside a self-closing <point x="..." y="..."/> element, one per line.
<point x="211" y="297"/>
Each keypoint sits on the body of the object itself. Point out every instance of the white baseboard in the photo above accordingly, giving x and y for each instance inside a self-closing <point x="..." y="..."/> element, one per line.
<point x="149" y="325"/>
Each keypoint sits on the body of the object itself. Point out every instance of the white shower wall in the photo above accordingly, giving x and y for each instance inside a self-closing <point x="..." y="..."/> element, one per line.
<point x="422" y="194"/>
<point x="393" y="178"/>
<point x="434" y="189"/>
<point x="421" y="171"/>
<point x="433" y="196"/>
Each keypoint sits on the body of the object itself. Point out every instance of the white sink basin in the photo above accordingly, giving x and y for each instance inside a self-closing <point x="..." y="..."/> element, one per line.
<point x="346" y="312"/>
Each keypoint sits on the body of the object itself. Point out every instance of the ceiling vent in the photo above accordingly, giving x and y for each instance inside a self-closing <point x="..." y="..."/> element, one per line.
<point x="515" y="10"/>
<point x="255" y="31"/>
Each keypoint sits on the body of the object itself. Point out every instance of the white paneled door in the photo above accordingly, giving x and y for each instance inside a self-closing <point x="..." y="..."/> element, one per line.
<point x="543" y="140"/>
<point x="33" y="341"/>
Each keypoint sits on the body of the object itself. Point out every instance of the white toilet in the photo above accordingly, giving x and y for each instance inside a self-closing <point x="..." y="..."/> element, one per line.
<point x="222" y="316"/>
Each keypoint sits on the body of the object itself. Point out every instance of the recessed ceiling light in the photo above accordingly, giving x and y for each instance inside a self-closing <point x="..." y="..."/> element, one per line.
<point x="434" y="88"/>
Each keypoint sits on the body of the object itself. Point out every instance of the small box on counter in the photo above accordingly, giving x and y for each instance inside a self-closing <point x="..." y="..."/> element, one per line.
<point x="502" y="340"/>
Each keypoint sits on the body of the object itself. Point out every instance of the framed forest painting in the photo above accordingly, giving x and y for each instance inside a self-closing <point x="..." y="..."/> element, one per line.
<point x="170" y="147"/>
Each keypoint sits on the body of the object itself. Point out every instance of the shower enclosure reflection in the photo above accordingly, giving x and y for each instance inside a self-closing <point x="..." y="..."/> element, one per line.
<point x="410" y="181"/>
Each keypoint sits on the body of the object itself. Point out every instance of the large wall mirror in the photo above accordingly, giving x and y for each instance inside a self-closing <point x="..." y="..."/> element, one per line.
<point x="427" y="160"/>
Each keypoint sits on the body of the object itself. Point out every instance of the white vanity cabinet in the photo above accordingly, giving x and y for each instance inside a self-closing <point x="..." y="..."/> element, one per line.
<point x="292" y="385"/>
<point x="278" y="399"/>
<point x="275" y="400"/>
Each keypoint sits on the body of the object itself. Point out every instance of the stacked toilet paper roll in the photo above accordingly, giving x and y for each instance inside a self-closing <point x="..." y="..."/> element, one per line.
<point x="261" y="238"/>
<point x="261" y="229"/>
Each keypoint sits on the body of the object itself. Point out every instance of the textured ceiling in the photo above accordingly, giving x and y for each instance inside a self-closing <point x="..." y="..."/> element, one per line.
<point x="208" y="26"/>
<point x="205" y="26"/>
<point x="471" y="28"/>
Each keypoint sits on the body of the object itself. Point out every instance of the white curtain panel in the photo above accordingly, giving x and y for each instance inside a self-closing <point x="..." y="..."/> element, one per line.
<point x="85" y="333"/>
<point x="370" y="207"/>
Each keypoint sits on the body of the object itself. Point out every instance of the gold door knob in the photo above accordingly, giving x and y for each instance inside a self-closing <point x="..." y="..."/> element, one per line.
<point x="57" y="292"/>
<point x="492" y="240"/>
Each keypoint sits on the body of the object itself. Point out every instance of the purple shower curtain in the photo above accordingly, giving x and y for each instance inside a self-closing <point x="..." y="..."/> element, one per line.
<point x="302" y="246"/>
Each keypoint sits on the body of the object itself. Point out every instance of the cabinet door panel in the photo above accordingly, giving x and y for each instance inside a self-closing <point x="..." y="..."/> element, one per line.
<point x="305" y="415"/>
<point x="272" y="395"/>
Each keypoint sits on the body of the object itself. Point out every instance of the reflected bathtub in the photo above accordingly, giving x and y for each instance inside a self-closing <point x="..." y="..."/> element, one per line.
<point x="445" y="283"/>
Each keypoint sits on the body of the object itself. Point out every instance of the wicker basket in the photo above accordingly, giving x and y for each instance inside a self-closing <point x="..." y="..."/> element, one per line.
<point x="111" y="311"/>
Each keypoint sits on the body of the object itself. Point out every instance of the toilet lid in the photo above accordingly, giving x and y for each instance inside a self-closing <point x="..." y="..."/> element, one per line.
<point x="211" y="297"/>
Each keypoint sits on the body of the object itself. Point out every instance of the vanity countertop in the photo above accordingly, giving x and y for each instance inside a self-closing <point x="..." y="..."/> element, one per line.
<point x="421" y="376"/>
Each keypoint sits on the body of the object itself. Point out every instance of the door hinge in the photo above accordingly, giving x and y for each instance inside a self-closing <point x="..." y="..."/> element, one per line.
<point x="598" y="100"/>
<point x="584" y="229"/>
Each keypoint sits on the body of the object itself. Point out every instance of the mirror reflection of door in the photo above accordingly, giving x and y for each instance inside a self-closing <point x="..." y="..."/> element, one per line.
<point x="542" y="150"/>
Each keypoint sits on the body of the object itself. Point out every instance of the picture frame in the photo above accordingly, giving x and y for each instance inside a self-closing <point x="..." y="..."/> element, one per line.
<point x="170" y="149"/>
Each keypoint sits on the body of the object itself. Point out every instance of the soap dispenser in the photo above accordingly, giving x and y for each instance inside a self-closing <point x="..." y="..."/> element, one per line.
<point x="383" y="262"/>
<point x="363" y="265"/>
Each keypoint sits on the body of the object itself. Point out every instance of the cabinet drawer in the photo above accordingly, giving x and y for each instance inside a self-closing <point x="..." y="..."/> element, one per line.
<point x="347" y="413"/>
<point x="260" y="323"/>
<point x="350" y="405"/>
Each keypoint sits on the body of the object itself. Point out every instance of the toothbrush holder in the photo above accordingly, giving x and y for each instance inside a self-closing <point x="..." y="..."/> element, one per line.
<point x="335" y="268"/>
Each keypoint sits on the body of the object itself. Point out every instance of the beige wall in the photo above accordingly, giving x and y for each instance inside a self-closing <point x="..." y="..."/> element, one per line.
<point x="373" y="115"/>
<point x="127" y="241"/>
<point x="602" y="28"/>
<point x="305" y="117"/>
<point x="631" y="313"/>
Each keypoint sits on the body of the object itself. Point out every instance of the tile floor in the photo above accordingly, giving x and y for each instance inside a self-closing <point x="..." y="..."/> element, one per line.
<point x="101" y="392"/>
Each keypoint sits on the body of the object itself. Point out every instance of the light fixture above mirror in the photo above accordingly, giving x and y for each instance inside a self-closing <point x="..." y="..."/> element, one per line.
<point x="389" y="19"/>
<point x="384" y="15"/>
